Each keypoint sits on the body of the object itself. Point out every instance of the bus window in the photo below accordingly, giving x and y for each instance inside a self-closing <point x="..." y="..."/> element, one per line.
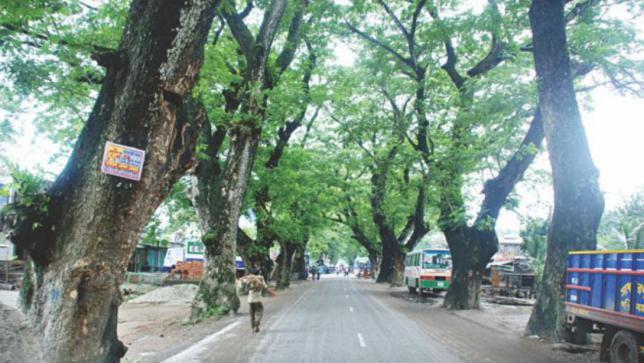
<point x="436" y="261"/>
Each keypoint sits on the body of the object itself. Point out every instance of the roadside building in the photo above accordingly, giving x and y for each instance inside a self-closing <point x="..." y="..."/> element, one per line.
<point x="509" y="247"/>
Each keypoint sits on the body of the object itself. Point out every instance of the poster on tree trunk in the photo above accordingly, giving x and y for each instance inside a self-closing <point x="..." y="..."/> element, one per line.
<point x="123" y="161"/>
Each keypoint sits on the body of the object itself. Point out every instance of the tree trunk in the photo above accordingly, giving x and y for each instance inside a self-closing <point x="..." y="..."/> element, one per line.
<point x="216" y="295"/>
<point x="578" y="200"/>
<point x="285" y="261"/>
<point x="217" y="292"/>
<point x="255" y="254"/>
<point x="471" y="251"/>
<point x="88" y="222"/>
<point x="373" y="260"/>
<point x="299" y="263"/>
<point x="392" y="264"/>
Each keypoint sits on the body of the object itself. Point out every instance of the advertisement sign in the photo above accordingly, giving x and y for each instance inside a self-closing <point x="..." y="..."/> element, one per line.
<point x="123" y="161"/>
<point x="195" y="250"/>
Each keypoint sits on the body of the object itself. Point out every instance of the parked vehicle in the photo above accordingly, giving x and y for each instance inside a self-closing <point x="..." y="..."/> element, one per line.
<point x="605" y="293"/>
<point x="428" y="269"/>
<point x="513" y="276"/>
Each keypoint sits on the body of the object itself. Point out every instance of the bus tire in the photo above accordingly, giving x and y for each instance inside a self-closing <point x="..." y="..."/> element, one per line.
<point x="624" y="347"/>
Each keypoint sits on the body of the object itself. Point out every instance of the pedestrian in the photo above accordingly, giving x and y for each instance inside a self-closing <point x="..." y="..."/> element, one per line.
<point x="256" y="286"/>
<point x="314" y="271"/>
<point x="319" y="271"/>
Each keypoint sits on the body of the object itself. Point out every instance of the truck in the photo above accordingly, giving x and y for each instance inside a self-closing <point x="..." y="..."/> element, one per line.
<point x="605" y="293"/>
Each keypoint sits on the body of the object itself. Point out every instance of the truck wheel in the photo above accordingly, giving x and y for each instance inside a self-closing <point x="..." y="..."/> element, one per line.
<point x="624" y="348"/>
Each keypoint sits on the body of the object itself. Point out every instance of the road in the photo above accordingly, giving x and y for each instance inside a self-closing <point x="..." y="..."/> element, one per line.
<point x="332" y="320"/>
<point x="348" y="320"/>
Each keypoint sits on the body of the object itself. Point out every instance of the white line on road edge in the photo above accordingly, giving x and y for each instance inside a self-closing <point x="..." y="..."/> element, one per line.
<point x="191" y="353"/>
<point x="351" y="308"/>
<point x="361" y="340"/>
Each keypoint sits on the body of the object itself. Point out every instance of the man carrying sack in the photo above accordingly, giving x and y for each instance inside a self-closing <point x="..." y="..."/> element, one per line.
<point x="255" y="284"/>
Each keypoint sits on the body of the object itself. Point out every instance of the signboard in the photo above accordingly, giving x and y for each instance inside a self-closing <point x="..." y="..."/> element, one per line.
<point x="123" y="161"/>
<point x="195" y="250"/>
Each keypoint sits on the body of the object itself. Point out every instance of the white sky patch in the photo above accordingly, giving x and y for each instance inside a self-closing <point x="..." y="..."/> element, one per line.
<point x="344" y="55"/>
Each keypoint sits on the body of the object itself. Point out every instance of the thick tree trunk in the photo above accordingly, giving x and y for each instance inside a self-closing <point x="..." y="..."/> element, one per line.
<point x="373" y="260"/>
<point x="89" y="222"/>
<point x="217" y="293"/>
<point x="578" y="200"/>
<point x="299" y="263"/>
<point x="285" y="265"/>
<point x="392" y="264"/>
<point x="255" y="254"/>
<point x="471" y="250"/>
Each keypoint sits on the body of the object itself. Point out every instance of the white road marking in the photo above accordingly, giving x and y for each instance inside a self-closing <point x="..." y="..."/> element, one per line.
<point x="346" y="296"/>
<point x="351" y="308"/>
<point x="361" y="340"/>
<point x="191" y="353"/>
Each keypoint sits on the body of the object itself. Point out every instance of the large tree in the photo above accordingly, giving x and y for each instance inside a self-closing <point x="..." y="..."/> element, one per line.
<point x="221" y="193"/>
<point x="81" y="231"/>
<point x="578" y="200"/>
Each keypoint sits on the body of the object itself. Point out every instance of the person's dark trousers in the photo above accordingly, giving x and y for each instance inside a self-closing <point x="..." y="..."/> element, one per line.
<point x="256" y="313"/>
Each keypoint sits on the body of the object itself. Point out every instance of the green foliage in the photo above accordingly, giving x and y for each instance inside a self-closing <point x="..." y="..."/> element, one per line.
<point x="617" y="229"/>
<point x="535" y="236"/>
<point x="29" y="187"/>
<point x="152" y="234"/>
<point x="45" y="60"/>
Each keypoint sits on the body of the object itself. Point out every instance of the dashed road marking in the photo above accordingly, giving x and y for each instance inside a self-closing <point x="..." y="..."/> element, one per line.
<point x="346" y="296"/>
<point x="361" y="341"/>
<point x="351" y="308"/>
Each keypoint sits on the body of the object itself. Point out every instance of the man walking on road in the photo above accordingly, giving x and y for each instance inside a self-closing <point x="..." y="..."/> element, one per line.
<point x="256" y="286"/>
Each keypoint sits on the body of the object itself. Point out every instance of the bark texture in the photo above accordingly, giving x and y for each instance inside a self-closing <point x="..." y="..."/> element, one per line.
<point x="578" y="200"/>
<point x="85" y="236"/>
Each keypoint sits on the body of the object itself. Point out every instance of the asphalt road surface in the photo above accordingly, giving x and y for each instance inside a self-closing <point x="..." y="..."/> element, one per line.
<point x="341" y="319"/>
<point x="331" y="321"/>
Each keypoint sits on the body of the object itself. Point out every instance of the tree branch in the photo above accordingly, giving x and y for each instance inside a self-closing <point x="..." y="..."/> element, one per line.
<point x="380" y="44"/>
<point x="240" y="31"/>
<point x="292" y="38"/>
<point x="247" y="9"/>
<point x="450" y="64"/>
<point x="496" y="190"/>
<point x="393" y="16"/>
<point x="493" y="58"/>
